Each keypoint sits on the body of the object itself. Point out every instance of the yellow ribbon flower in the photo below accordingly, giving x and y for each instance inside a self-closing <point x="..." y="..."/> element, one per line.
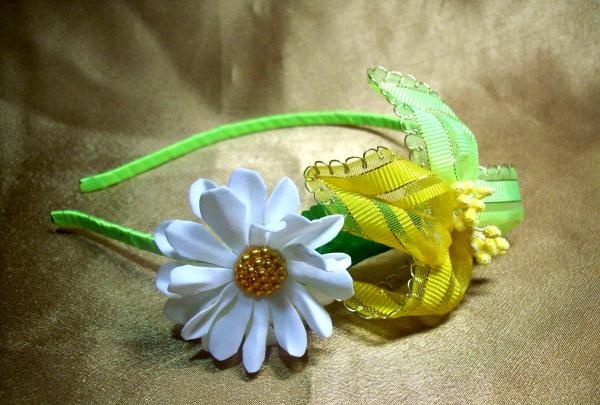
<point x="441" y="208"/>
<point x="394" y="202"/>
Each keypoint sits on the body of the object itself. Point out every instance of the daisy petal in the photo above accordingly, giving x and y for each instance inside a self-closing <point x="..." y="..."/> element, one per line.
<point x="193" y="241"/>
<point x="294" y="225"/>
<point x="313" y="234"/>
<point x="335" y="283"/>
<point x="258" y="236"/>
<point x="189" y="279"/>
<point x="160" y="239"/>
<point x="227" y="216"/>
<point x="272" y="226"/>
<point x="182" y="309"/>
<point x="319" y="296"/>
<point x="196" y="190"/>
<point x="289" y="329"/>
<point x="200" y="323"/>
<point x="284" y="199"/>
<point x="250" y="188"/>
<point x="304" y="254"/>
<point x="343" y="259"/>
<point x="256" y="341"/>
<point x="313" y="313"/>
<point x="317" y="318"/>
<point x="163" y="277"/>
<point x="228" y="330"/>
<point x="259" y="233"/>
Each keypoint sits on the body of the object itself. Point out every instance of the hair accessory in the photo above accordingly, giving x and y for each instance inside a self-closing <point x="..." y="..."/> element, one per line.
<point x="252" y="271"/>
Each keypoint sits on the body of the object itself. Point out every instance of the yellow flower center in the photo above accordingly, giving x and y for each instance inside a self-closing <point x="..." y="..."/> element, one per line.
<point x="260" y="271"/>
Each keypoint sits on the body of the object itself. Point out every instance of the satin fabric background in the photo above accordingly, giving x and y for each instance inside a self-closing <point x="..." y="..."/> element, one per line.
<point x="86" y="86"/>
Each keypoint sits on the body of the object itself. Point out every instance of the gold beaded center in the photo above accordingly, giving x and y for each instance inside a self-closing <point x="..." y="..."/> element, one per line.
<point x="260" y="271"/>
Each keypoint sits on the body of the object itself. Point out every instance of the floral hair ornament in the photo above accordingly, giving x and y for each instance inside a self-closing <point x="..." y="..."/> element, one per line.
<point x="251" y="272"/>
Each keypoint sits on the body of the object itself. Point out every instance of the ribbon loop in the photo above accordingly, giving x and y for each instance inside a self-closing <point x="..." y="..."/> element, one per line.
<point x="504" y="208"/>
<point x="447" y="147"/>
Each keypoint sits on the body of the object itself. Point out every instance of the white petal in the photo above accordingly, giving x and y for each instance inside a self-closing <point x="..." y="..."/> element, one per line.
<point x="190" y="279"/>
<point x="289" y="329"/>
<point x="336" y="283"/>
<point x="160" y="239"/>
<point x="163" y="277"/>
<point x="343" y="259"/>
<point x="323" y="230"/>
<point x="200" y="323"/>
<point x="259" y="234"/>
<point x="313" y="234"/>
<point x="228" y="330"/>
<point x="284" y="199"/>
<point x="304" y="254"/>
<point x="317" y="318"/>
<point x="180" y="310"/>
<point x="319" y="296"/>
<point x="196" y="190"/>
<point x="272" y="226"/>
<point x="294" y="225"/>
<point x="256" y="340"/>
<point x="193" y="241"/>
<point x="227" y="216"/>
<point x="250" y="188"/>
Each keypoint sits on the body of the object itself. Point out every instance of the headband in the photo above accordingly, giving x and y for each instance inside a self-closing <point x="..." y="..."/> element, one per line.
<point x="252" y="272"/>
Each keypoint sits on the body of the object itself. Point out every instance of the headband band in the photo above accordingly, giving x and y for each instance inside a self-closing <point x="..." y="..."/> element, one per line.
<point x="141" y="240"/>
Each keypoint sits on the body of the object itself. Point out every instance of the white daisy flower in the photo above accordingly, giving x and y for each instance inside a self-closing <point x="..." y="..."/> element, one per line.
<point x="250" y="273"/>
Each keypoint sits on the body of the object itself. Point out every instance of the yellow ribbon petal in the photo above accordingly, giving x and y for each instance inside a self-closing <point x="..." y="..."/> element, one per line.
<point x="432" y="290"/>
<point x="389" y="200"/>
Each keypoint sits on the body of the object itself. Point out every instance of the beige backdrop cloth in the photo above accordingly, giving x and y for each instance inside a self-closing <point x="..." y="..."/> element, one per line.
<point x="86" y="86"/>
